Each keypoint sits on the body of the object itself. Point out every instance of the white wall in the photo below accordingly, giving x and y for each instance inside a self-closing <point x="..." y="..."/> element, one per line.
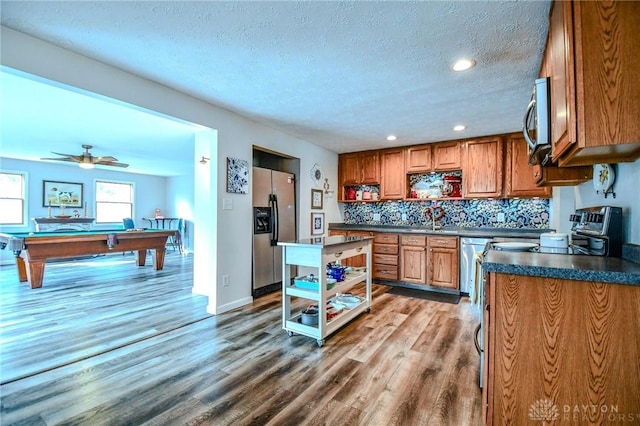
<point x="627" y="189"/>
<point x="236" y="135"/>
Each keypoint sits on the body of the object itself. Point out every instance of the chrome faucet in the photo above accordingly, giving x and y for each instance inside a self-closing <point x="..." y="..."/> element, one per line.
<point x="432" y="215"/>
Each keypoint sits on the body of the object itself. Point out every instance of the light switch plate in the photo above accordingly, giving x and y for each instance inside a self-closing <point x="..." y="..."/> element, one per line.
<point x="376" y="216"/>
<point x="404" y="216"/>
<point x="501" y="217"/>
<point x="227" y="204"/>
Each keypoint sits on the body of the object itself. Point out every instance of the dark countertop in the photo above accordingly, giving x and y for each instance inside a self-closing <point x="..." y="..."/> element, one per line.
<point x="563" y="266"/>
<point x="453" y="231"/>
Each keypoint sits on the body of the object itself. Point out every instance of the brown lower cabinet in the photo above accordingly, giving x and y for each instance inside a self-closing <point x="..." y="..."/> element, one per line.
<point x="385" y="256"/>
<point x="444" y="258"/>
<point x="417" y="259"/>
<point x="560" y="351"/>
<point x="413" y="259"/>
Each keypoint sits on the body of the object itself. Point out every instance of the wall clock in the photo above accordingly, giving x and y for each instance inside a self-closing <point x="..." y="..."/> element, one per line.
<point x="317" y="175"/>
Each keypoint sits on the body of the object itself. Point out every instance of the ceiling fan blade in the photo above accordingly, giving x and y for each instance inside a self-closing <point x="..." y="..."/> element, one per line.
<point x="105" y="158"/>
<point x="111" y="163"/>
<point x="72" y="159"/>
<point x="65" y="155"/>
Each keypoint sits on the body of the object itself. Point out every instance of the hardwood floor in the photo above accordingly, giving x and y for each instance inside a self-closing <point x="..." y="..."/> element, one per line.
<point x="107" y="343"/>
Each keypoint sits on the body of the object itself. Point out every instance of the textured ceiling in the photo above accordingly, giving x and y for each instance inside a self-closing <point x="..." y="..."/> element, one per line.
<point x="342" y="75"/>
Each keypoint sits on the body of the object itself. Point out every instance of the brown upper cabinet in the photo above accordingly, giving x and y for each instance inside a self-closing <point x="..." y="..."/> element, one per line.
<point x="392" y="180"/>
<point x="418" y="159"/>
<point x="483" y="164"/>
<point x="519" y="175"/>
<point x="561" y="176"/>
<point x="446" y="156"/>
<point x="593" y="57"/>
<point x="358" y="168"/>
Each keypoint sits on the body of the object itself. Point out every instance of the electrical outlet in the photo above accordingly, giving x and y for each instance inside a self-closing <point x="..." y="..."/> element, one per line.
<point x="404" y="216"/>
<point x="501" y="217"/>
<point x="376" y="216"/>
<point x="227" y="204"/>
<point x="226" y="280"/>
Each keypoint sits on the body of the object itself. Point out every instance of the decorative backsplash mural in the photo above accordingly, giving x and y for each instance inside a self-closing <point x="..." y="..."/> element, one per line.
<point x="518" y="213"/>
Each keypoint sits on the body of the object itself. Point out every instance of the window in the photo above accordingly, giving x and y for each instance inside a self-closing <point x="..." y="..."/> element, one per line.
<point x="12" y="198"/>
<point x="114" y="201"/>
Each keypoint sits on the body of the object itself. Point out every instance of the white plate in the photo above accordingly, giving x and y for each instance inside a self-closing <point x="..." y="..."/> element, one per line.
<point x="514" y="246"/>
<point x="603" y="177"/>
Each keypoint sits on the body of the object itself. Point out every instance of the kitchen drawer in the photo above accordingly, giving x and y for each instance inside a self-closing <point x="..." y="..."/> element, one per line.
<point x="385" y="248"/>
<point x="385" y="259"/>
<point x="385" y="272"/>
<point x="414" y="240"/>
<point x="445" y="242"/>
<point x="381" y="238"/>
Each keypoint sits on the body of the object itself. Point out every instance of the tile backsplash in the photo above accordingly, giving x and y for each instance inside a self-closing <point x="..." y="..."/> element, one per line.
<point x="501" y="213"/>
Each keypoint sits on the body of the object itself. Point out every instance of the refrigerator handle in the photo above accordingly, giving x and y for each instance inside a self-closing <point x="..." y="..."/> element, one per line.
<point x="273" y="200"/>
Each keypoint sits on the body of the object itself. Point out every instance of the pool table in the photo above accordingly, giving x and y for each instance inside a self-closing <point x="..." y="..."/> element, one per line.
<point x="32" y="249"/>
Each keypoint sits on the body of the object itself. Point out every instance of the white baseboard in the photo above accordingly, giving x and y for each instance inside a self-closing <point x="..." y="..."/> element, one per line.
<point x="229" y="306"/>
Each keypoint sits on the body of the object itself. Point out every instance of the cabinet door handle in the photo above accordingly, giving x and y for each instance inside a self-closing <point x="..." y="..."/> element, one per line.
<point x="441" y="241"/>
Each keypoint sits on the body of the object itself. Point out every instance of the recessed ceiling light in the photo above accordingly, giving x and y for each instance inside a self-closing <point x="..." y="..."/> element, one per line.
<point x="463" y="64"/>
<point x="459" y="128"/>
<point x="392" y="137"/>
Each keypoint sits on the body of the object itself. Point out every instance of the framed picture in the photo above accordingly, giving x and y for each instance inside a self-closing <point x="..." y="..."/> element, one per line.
<point x="316" y="199"/>
<point x="55" y="194"/>
<point x="317" y="223"/>
<point x="237" y="176"/>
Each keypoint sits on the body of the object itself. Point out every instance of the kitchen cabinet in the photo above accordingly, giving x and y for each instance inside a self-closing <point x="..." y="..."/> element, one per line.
<point x="393" y="180"/>
<point x="446" y="156"/>
<point x="520" y="180"/>
<point x="574" y="344"/>
<point x="592" y="56"/>
<point x="443" y="262"/>
<point x="385" y="256"/>
<point x="413" y="259"/>
<point x="418" y="159"/>
<point x="360" y="168"/>
<point x="317" y="253"/>
<point x="354" y="261"/>
<point x="357" y="168"/>
<point x="561" y="176"/>
<point x="483" y="165"/>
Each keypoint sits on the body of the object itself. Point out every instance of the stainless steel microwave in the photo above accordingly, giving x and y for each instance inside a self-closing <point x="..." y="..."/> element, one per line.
<point x="536" y="123"/>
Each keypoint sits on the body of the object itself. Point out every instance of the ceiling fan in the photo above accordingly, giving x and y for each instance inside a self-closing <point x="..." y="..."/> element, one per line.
<point x="86" y="160"/>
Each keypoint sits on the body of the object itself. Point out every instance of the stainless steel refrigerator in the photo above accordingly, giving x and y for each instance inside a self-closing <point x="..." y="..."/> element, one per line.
<point x="274" y="219"/>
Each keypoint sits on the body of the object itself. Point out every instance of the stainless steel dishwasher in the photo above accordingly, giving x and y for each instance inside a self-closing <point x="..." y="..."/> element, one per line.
<point x="469" y="247"/>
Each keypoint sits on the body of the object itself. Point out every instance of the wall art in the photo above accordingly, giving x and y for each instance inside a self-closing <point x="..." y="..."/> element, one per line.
<point x="317" y="223"/>
<point x="316" y="199"/>
<point x="67" y="194"/>
<point x="237" y="176"/>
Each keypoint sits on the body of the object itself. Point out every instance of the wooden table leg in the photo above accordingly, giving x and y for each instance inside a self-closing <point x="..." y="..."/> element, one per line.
<point x="142" y="257"/>
<point x="22" y="269"/>
<point x="36" y="273"/>
<point x="160" y="258"/>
